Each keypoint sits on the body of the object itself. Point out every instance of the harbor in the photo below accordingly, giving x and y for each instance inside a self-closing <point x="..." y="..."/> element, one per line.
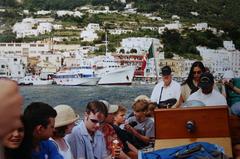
<point x="79" y="96"/>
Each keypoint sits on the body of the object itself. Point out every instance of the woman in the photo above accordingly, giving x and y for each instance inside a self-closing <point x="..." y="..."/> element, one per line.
<point x="13" y="144"/>
<point x="191" y="84"/>
<point x="64" y="122"/>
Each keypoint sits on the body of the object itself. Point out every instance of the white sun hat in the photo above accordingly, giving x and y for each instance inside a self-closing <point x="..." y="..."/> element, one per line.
<point x="65" y="115"/>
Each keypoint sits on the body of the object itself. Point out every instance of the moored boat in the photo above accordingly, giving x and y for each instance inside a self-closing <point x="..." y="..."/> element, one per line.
<point x="76" y="76"/>
<point x="34" y="80"/>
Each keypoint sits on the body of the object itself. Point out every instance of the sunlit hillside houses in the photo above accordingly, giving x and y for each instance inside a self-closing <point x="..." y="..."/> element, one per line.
<point x="221" y="60"/>
<point x="172" y="26"/>
<point x="89" y="34"/>
<point x="31" y="27"/>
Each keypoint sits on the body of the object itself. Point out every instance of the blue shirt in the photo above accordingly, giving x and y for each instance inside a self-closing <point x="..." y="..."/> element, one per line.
<point x="47" y="150"/>
<point x="84" y="146"/>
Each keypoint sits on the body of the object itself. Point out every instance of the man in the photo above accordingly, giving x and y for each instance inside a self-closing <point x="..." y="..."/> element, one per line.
<point x="206" y="93"/>
<point x="40" y="120"/>
<point x="167" y="88"/>
<point x="86" y="141"/>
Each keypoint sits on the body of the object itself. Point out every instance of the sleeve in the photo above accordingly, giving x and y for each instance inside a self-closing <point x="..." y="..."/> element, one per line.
<point x="104" y="150"/>
<point x="53" y="151"/>
<point x="154" y="95"/>
<point x="178" y="91"/>
<point x="150" y="130"/>
<point x="77" y="146"/>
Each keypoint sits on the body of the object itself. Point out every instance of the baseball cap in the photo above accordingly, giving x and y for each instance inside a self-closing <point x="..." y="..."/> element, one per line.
<point x="166" y="70"/>
<point x="111" y="108"/>
<point x="206" y="80"/>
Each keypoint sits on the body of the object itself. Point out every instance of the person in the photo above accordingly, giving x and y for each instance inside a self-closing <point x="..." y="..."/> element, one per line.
<point x="119" y="119"/>
<point x="40" y="120"/>
<point x="64" y="122"/>
<point x="12" y="143"/>
<point x="190" y="85"/>
<point x="167" y="88"/>
<point x="144" y="127"/>
<point x="235" y="108"/>
<point x="11" y="102"/>
<point x="110" y="135"/>
<point x="86" y="141"/>
<point x="206" y="93"/>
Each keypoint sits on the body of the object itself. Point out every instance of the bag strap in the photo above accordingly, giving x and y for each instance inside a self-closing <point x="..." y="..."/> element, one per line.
<point x="160" y="96"/>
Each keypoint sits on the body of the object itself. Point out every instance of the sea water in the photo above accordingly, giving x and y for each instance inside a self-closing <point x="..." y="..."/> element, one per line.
<point x="79" y="96"/>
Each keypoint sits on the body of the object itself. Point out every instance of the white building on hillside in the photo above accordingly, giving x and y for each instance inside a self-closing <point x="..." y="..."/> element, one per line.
<point x="221" y="60"/>
<point x="172" y="26"/>
<point x="119" y="31"/>
<point x="88" y="35"/>
<point x="201" y="26"/>
<point x="93" y="26"/>
<point x="140" y="44"/>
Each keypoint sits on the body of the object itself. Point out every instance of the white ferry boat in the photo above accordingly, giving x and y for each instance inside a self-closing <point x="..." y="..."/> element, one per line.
<point x="112" y="73"/>
<point x="34" y="80"/>
<point x="84" y="75"/>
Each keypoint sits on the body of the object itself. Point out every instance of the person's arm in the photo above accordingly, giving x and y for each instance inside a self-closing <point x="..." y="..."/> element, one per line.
<point x="10" y="106"/>
<point x="143" y="138"/>
<point x="232" y="87"/>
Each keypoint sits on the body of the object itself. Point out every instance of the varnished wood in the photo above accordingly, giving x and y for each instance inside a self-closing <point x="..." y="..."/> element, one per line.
<point x="234" y="124"/>
<point x="225" y="142"/>
<point x="210" y="122"/>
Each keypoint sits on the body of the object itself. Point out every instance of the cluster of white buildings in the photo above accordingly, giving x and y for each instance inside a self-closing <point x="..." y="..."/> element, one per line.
<point x="221" y="60"/>
<point x="31" y="27"/>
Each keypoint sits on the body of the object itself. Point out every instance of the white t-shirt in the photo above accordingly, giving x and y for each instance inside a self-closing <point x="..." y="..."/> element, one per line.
<point x="171" y="91"/>
<point x="212" y="99"/>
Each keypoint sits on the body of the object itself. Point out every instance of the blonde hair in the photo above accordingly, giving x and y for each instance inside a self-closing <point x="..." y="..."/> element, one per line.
<point x="140" y="105"/>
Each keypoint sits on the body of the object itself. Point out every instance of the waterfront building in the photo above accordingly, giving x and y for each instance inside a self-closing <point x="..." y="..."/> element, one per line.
<point x="13" y="66"/>
<point x="26" y="49"/>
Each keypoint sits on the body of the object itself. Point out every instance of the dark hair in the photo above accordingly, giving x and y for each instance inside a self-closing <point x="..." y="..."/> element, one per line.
<point x="37" y="113"/>
<point x="189" y="80"/>
<point x="96" y="107"/>
<point x="60" y="131"/>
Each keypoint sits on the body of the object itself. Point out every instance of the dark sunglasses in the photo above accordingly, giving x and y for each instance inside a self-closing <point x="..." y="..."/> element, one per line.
<point x="95" y="121"/>
<point x="197" y="72"/>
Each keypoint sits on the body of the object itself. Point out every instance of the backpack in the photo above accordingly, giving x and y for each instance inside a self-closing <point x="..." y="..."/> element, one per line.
<point x="197" y="150"/>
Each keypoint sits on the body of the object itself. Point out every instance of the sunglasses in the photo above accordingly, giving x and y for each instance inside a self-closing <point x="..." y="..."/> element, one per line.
<point x="197" y="72"/>
<point x="95" y="121"/>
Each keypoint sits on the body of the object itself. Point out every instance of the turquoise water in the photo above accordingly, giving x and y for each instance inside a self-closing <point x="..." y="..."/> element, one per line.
<point x="79" y="96"/>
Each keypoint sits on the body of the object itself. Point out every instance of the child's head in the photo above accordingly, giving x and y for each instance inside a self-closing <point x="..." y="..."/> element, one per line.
<point x="139" y="109"/>
<point x="119" y="116"/>
<point x="151" y="108"/>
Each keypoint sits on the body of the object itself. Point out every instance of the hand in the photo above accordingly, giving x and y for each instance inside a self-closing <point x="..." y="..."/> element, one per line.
<point x="116" y="151"/>
<point x="229" y="84"/>
<point x="10" y="106"/>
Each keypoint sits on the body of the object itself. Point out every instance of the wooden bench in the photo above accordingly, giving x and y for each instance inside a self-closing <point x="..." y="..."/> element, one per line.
<point x="211" y="125"/>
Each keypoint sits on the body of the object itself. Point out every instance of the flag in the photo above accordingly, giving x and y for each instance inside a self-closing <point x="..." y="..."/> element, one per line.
<point x="150" y="51"/>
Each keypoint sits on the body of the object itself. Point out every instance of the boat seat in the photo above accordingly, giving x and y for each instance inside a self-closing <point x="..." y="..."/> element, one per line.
<point x="180" y="126"/>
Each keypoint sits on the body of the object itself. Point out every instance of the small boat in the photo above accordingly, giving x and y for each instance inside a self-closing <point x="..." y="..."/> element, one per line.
<point x="76" y="76"/>
<point x="34" y="80"/>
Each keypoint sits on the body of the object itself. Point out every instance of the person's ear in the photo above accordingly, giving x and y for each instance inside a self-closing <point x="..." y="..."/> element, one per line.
<point x="38" y="129"/>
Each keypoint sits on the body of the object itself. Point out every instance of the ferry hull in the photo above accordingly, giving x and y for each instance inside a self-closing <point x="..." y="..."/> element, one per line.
<point x="77" y="81"/>
<point x="119" y="76"/>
